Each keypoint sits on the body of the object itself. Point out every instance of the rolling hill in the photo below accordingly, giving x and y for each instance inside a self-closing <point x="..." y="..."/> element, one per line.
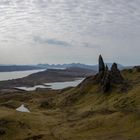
<point x="86" y="112"/>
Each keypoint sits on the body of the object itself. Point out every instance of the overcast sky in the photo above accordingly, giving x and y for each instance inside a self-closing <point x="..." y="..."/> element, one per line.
<point x="65" y="31"/>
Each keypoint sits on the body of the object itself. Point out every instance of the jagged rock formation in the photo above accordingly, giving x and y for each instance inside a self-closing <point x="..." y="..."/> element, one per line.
<point x="116" y="77"/>
<point x="106" y="80"/>
<point x="107" y="77"/>
<point x="101" y="64"/>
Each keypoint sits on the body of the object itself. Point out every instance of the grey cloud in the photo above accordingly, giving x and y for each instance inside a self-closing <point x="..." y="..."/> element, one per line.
<point x="60" y="22"/>
<point x="57" y="42"/>
<point x="6" y="2"/>
<point x="51" y="41"/>
<point x="89" y="45"/>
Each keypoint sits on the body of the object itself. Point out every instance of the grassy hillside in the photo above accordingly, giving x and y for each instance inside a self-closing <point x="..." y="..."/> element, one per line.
<point x="81" y="113"/>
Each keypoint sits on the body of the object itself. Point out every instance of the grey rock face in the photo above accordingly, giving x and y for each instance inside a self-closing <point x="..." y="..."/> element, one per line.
<point x="115" y="74"/>
<point x="101" y="64"/>
<point x="106" y="78"/>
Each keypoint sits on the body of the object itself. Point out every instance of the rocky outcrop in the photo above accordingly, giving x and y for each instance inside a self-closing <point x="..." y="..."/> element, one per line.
<point x="106" y="78"/>
<point x="136" y="68"/>
<point x="101" y="64"/>
<point x="115" y="74"/>
<point x="105" y="83"/>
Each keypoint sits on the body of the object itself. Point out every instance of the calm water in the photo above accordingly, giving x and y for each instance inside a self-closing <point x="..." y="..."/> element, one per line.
<point x="61" y="85"/>
<point x="16" y="74"/>
<point x="32" y="88"/>
<point x="56" y="85"/>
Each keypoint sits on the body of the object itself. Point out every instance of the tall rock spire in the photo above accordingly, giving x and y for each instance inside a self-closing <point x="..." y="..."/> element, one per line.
<point x="101" y="64"/>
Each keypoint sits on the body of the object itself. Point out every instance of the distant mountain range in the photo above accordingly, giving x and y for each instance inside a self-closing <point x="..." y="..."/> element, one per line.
<point x="10" y="68"/>
<point x="79" y="65"/>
